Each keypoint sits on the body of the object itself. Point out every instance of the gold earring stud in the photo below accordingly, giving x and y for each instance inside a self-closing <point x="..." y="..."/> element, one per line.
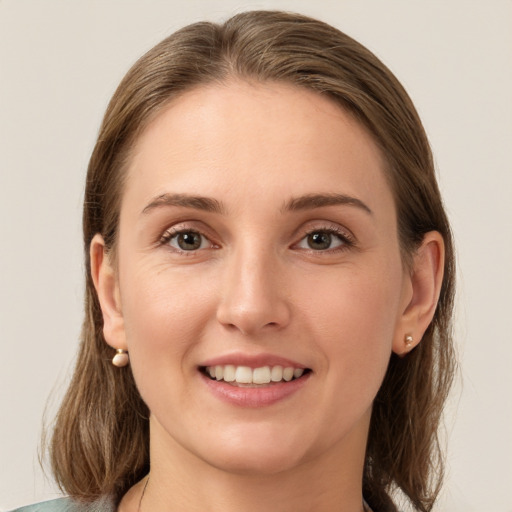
<point x="121" y="358"/>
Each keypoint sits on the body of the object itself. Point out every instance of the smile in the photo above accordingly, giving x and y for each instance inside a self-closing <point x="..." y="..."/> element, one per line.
<point x="247" y="376"/>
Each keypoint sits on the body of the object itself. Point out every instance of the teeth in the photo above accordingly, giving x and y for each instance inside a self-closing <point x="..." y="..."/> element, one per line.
<point x="276" y="373"/>
<point x="298" y="373"/>
<point x="247" y="375"/>
<point x="229" y="373"/>
<point x="243" y="375"/>
<point x="288" y="374"/>
<point x="261" y="375"/>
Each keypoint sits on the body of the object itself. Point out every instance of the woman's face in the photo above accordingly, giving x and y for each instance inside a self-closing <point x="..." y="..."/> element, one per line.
<point x="257" y="233"/>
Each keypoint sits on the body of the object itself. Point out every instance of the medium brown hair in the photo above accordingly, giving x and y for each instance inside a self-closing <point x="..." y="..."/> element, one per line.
<point x="100" y="443"/>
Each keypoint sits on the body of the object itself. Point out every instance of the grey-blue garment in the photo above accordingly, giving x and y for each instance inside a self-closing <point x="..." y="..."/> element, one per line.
<point x="69" y="505"/>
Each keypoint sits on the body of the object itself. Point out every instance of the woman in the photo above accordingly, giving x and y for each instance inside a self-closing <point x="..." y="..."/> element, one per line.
<point x="270" y="278"/>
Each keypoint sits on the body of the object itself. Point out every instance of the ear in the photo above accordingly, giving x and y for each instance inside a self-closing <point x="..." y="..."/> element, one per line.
<point x="423" y="289"/>
<point x="107" y="288"/>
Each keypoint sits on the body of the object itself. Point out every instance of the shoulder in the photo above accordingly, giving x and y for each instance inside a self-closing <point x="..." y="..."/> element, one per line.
<point x="69" y="505"/>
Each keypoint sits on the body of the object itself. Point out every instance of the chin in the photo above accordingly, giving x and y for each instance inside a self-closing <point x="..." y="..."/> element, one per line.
<point x="256" y="453"/>
<point x="262" y="462"/>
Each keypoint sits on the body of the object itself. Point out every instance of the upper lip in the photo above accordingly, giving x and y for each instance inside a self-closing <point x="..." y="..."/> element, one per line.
<point x="252" y="361"/>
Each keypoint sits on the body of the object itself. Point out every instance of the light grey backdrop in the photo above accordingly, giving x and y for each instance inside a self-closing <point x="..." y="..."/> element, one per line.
<point x="60" y="62"/>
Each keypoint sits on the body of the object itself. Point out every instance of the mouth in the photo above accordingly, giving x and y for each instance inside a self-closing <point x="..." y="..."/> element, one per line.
<point x="245" y="376"/>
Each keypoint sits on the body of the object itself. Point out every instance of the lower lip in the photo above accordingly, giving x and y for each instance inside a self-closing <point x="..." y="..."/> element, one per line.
<point x="261" y="396"/>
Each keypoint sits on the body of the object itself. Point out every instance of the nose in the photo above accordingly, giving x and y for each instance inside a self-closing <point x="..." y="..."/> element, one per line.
<point x="253" y="294"/>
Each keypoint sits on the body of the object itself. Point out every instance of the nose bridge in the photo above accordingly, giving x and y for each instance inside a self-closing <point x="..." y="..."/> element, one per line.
<point x="252" y="292"/>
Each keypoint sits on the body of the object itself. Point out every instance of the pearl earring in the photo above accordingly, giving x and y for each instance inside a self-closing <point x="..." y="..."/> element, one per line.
<point x="121" y="358"/>
<point x="409" y="341"/>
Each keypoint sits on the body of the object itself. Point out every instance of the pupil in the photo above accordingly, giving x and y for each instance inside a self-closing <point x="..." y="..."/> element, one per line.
<point x="189" y="241"/>
<point x="319" y="240"/>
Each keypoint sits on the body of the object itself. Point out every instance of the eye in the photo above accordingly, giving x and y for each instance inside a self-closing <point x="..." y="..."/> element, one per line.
<point x="186" y="240"/>
<point x="322" y="240"/>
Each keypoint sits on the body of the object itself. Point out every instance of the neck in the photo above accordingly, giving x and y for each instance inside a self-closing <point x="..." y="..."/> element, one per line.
<point x="217" y="491"/>
<point x="179" y="480"/>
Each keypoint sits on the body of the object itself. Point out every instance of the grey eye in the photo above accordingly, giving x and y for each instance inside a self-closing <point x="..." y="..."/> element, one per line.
<point x="189" y="241"/>
<point x="321" y="241"/>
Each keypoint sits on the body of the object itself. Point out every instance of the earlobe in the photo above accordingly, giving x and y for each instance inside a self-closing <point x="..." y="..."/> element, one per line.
<point x="426" y="278"/>
<point x="106" y="285"/>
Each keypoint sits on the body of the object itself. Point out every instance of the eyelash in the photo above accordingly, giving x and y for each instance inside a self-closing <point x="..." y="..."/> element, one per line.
<point x="346" y="239"/>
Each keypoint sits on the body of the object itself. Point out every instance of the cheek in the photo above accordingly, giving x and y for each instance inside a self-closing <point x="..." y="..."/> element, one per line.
<point x="357" y="300"/>
<point x="354" y="315"/>
<point x="165" y="313"/>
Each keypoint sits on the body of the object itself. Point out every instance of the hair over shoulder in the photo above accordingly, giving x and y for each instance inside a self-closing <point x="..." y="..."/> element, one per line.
<point x="100" y="443"/>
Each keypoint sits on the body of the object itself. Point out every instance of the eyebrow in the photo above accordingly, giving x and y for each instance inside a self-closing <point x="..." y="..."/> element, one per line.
<point x="208" y="204"/>
<point x="311" y="201"/>
<point x="187" y="201"/>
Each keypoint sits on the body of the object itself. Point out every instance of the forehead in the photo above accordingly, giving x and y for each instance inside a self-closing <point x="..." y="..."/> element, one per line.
<point x="254" y="139"/>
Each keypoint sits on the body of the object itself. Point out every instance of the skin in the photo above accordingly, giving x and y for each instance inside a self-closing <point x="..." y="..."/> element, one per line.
<point x="256" y="286"/>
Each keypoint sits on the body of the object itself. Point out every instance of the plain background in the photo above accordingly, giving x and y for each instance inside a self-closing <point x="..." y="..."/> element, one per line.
<point x="59" y="64"/>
